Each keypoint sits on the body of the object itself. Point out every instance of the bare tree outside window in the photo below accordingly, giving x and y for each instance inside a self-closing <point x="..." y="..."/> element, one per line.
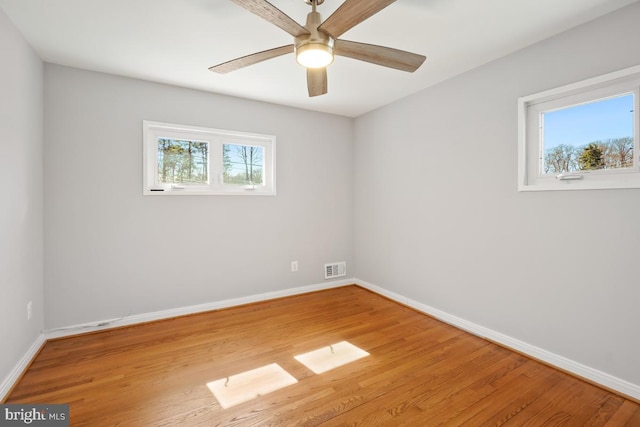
<point x="562" y="158"/>
<point x="243" y="164"/>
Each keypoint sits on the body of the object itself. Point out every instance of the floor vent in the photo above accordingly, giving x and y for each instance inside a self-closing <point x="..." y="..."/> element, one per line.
<point x="335" y="269"/>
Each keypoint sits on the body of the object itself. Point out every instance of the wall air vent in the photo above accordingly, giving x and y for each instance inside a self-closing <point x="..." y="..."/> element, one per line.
<point x="335" y="269"/>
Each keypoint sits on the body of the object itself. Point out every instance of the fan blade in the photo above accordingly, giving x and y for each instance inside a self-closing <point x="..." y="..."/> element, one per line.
<point x="254" y="58"/>
<point x="350" y="14"/>
<point x="267" y="11"/>
<point x="317" y="81"/>
<point x="380" y="55"/>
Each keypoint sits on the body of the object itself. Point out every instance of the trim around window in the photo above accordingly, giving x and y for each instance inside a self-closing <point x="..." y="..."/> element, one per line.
<point x="536" y="175"/>
<point x="190" y="160"/>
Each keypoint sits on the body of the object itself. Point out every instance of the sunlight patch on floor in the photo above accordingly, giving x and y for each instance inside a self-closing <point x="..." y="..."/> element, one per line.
<point x="248" y="385"/>
<point x="326" y="358"/>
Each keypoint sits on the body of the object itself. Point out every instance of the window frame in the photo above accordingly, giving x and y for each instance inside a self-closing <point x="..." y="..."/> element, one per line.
<point x="530" y="134"/>
<point x="215" y="138"/>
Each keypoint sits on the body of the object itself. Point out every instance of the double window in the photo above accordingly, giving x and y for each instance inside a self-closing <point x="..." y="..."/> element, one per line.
<point x="181" y="159"/>
<point x="581" y="136"/>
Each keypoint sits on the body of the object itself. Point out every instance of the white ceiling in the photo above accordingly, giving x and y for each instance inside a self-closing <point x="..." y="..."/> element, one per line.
<point x="175" y="41"/>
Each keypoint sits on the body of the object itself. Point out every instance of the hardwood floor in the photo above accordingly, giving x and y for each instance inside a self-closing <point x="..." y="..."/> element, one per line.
<point x="421" y="372"/>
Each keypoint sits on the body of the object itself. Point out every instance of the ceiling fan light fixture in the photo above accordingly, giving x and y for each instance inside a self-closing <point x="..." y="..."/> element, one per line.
<point x="314" y="55"/>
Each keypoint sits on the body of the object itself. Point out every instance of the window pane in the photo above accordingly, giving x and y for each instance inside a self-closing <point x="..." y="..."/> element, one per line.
<point x="243" y="164"/>
<point x="183" y="162"/>
<point x="596" y="135"/>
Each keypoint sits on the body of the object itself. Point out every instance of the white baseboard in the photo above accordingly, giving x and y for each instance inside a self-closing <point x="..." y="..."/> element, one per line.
<point x="100" y="325"/>
<point x="15" y="374"/>
<point x="608" y="381"/>
<point x="598" y="377"/>
<point x="105" y="324"/>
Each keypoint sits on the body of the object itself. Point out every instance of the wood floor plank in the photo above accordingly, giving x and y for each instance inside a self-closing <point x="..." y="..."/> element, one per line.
<point x="366" y="409"/>
<point x="444" y="380"/>
<point x="420" y="372"/>
<point x="623" y="415"/>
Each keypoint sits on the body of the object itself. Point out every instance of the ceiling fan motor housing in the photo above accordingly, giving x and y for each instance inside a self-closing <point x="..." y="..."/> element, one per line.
<point x="316" y="41"/>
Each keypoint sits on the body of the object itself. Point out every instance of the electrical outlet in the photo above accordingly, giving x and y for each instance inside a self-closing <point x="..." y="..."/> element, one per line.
<point x="29" y="310"/>
<point x="294" y="265"/>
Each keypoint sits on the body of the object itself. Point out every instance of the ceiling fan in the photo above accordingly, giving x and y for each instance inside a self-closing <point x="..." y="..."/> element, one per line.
<point x="316" y="43"/>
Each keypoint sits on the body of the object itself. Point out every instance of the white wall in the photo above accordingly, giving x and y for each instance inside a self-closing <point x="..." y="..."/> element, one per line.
<point x="21" y="207"/>
<point x="439" y="219"/>
<point x="110" y="251"/>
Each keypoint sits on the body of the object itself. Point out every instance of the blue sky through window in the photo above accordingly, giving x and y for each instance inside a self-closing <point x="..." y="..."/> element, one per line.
<point x="579" y="125"/>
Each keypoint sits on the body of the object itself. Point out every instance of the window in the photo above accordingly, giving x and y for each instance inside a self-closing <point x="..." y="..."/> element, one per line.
<point x="182" y="159"/>
<point x="581" y="136"/>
